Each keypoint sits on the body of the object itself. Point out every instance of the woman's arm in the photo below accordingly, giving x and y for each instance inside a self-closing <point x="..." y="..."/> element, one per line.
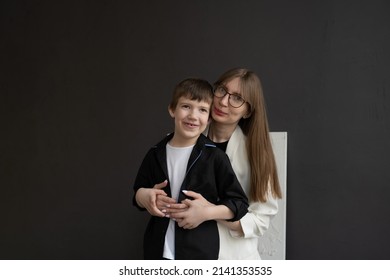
<point x="256" y="222"/>
<point x="233" y="226"/>
<point x="191" y="213"/>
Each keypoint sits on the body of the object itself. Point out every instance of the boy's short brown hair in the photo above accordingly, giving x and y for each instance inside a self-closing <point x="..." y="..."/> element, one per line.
<point x="194" y="89"/>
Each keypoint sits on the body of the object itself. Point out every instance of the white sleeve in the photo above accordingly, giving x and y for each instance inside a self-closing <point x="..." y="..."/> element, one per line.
<point x="257" y="220"/>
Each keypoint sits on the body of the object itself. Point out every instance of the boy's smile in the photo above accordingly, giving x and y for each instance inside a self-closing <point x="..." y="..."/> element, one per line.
<point x="191" y="118"/>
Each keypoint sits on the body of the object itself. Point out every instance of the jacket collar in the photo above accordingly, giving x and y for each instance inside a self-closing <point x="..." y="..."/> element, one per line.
<point x="200" y="145"/>
<point x="234" y="141"/>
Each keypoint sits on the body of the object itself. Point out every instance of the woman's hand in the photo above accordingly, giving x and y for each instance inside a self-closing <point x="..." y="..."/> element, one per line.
<point x="191" y="213"/>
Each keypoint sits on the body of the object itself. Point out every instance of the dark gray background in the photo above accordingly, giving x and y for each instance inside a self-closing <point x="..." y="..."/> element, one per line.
<point x="84" y="92"/>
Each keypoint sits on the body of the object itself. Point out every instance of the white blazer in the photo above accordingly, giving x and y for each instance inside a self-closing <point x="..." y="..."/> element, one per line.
<point x="257" y="220"/>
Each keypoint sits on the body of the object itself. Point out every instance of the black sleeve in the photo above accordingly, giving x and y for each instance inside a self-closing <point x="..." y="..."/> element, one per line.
<point x="143" y="178"/>
<point x="230" y="191"/>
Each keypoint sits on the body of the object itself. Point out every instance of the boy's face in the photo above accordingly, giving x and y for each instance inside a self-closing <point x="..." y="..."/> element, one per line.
<point x="191" y="118"/>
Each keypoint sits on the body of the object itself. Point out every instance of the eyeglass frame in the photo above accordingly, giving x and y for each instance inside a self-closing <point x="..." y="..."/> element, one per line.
<point x="230" y="94"/>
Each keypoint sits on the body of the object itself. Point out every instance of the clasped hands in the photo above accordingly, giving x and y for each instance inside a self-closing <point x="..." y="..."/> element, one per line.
<point x="188" y="213"/>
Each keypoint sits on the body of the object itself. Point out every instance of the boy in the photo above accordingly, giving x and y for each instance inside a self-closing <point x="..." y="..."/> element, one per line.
<point x="189" y="161"/>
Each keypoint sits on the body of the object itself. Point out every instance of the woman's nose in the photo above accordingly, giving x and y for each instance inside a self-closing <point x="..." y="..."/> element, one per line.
<point x="225" y="100"/>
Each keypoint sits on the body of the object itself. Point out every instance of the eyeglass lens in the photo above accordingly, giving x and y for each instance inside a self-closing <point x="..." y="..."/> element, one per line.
<point x="234" y="99"/>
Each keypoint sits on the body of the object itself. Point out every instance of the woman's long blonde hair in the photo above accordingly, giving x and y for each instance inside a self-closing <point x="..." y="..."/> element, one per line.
<point x="255" y="127"/>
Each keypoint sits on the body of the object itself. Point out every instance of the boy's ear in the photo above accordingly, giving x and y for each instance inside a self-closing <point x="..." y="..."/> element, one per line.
<point x="171" y="112"/>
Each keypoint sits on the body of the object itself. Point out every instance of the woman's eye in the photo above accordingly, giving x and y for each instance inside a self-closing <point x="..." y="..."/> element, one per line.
<point x="236" y="97"/>
<point x="221" y="91"/>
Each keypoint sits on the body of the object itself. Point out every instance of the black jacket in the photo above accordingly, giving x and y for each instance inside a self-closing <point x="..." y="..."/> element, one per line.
<point x="209" y="173"/>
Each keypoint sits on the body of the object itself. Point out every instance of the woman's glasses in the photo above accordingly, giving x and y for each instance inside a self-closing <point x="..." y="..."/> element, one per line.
<point x="235" y="100"/>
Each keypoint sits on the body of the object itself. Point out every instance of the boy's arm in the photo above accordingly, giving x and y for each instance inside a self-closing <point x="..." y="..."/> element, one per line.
<point x="230" y="191"/>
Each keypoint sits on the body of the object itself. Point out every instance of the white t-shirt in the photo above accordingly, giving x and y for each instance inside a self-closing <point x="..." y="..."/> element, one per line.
<point x="177" y="161"/>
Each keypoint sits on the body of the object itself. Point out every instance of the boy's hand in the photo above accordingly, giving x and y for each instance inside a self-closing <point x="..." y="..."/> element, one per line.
<point x="147" y="198"/>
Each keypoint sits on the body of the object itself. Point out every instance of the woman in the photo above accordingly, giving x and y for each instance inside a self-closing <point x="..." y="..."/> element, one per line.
<point x="239" y="126"/>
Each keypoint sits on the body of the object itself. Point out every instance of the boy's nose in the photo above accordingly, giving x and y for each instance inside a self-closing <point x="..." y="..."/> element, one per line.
<point x="191" y="114"/>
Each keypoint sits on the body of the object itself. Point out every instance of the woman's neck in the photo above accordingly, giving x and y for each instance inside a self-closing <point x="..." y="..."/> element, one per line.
<point x="219" y="133"/>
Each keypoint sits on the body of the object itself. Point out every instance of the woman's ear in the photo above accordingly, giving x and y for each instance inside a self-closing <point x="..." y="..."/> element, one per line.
<point x="248" y="113"/>
<point x="171" y="112"/>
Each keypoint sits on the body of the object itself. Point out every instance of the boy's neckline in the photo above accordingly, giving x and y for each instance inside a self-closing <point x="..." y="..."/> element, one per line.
<point x="180" y="145"/>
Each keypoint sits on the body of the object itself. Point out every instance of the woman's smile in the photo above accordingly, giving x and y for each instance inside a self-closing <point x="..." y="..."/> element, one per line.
<point x="219" y="112"/>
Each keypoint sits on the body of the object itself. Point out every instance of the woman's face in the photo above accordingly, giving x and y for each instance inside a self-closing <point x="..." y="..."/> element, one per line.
<point x="224" y="113"/>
